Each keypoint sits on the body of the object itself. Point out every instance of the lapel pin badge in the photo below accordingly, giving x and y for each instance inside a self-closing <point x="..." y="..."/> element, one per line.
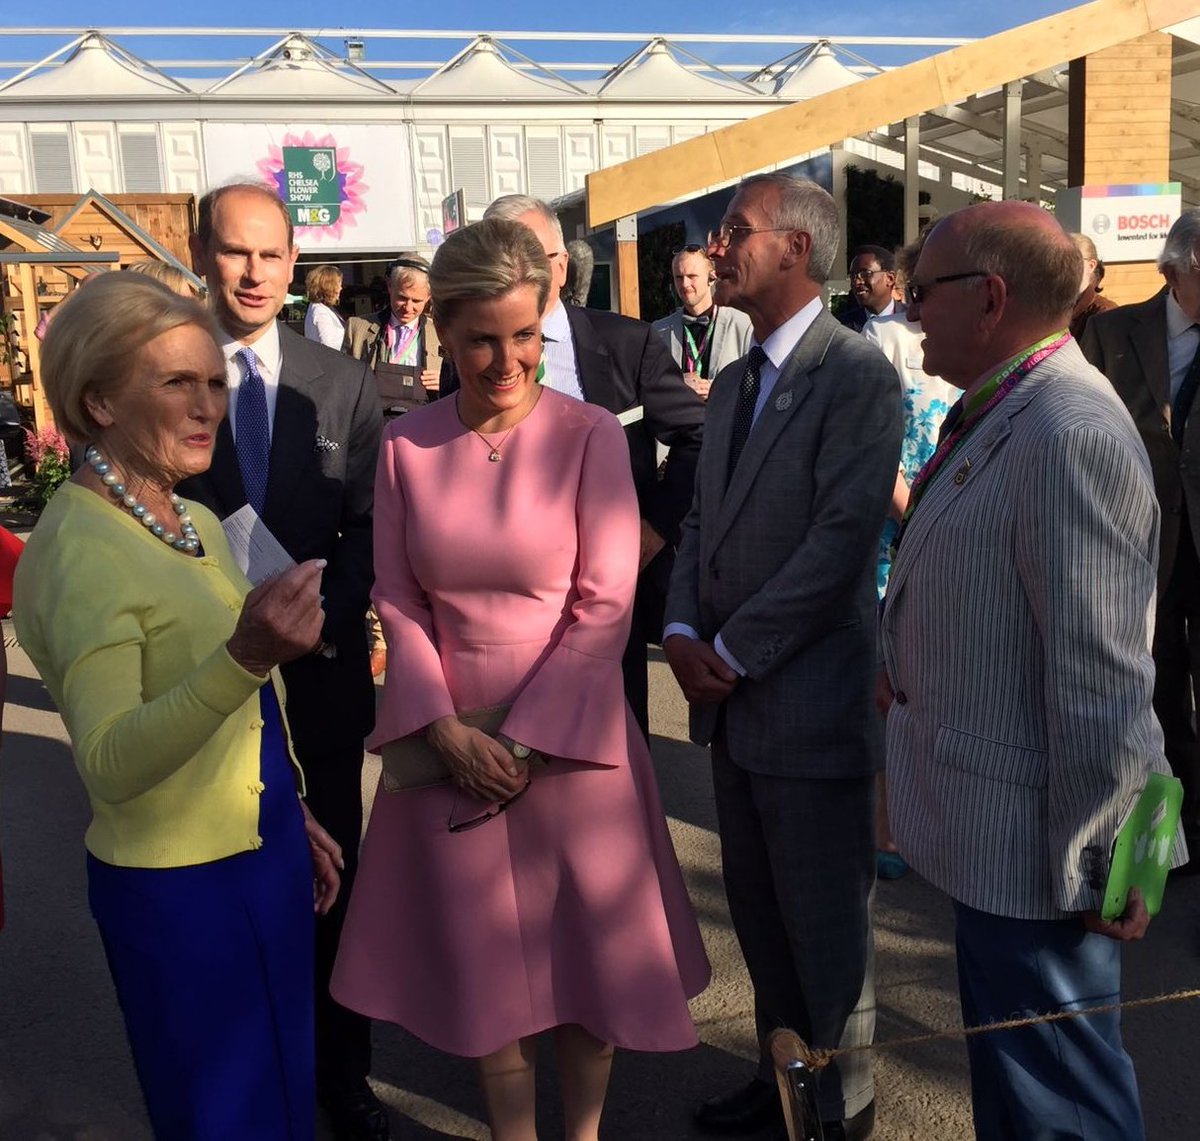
<point x="783" y="402"/>
<point x="960" y="476"/>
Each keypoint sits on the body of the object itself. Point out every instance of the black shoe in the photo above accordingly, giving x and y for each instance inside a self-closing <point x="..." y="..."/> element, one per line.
<point x="746" y="1110"/>
<point x="856" y="1128"/>
<point x="355" y="1114"/>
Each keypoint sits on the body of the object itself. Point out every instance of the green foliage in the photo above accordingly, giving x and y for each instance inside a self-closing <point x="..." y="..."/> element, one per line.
<point x="51" y="462"/>
<point x="875" y="209"/>
<point x="655" y="251"/>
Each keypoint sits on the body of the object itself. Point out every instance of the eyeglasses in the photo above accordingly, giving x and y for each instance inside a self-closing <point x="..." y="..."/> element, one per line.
<point x="866" y="274"/>
<point x="725" y="233"/>
<point x="476" y="821"/>
<point x="917" y="291"/>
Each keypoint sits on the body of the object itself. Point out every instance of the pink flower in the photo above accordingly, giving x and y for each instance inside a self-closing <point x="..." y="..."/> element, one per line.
<point x="46" y="443"/>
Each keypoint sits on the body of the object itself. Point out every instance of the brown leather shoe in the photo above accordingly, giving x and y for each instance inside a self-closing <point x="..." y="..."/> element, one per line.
<point x="378" y="661"/>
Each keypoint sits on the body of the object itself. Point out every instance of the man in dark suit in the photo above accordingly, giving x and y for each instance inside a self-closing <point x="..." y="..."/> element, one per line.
<point x="300" y="445"/>
<point x="872" y="285"/>
<point x="1150" y="352"/>
<point x="771" y="635"/>
<point x="622" y="365"/>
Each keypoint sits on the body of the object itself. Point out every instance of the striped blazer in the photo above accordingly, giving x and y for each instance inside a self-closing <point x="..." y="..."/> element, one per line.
<point x="1016" y="636"/>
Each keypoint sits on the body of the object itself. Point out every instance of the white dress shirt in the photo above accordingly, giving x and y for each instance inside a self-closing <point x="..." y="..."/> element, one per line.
<point x="269" y="358"/>
<point x="778" y="347"/>
<point x="324" y="325"/>
<point x="1183" y="337"/>
<point x="562" y="371"/>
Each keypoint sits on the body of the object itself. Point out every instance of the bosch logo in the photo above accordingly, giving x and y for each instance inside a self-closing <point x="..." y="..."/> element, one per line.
<point x="1101" y="224"/>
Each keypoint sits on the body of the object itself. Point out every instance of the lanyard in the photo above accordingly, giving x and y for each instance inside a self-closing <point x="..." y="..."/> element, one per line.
<point x="693" y="354"/>
<point x="969" y="415"/>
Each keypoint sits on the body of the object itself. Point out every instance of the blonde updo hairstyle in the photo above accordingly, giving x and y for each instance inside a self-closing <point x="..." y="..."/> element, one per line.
<point x="485" y="261"/>
<point x="96" y="335"/>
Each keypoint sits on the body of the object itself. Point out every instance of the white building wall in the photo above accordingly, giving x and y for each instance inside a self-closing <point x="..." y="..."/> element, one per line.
<point x="14" y="161"/>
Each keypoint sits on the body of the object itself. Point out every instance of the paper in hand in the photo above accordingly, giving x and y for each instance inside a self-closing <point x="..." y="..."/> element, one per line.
<point x="255" y="549"/>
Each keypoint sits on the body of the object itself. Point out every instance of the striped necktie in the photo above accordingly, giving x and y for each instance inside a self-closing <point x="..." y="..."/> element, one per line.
<point x="253" y="436"/>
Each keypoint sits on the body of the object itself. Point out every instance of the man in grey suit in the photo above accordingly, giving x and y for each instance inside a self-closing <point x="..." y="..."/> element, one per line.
<point x="1016" y="640"/>
<point x="300" y="445"/>
<point x="703" y="337"/>
<point x="771" y="635"/>
<point x="1151" y="354"/>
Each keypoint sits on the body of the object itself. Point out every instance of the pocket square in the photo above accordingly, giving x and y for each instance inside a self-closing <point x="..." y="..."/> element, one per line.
<point x="324" y="445"/>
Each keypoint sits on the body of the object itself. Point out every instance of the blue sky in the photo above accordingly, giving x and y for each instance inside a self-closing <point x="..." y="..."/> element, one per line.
<point x="959" y="18"/>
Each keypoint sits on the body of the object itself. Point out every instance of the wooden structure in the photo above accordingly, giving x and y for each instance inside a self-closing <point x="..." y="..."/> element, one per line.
<point x="50" y="243"/>
<point x="136" y="226"/>
<point x="1120" y="91"/>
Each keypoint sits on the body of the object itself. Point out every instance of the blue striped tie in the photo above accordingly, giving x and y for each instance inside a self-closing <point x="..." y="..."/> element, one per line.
<point x="253" y="435"/>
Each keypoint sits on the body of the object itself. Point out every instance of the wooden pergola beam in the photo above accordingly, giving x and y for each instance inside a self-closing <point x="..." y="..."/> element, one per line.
<point x="776" y="137"/>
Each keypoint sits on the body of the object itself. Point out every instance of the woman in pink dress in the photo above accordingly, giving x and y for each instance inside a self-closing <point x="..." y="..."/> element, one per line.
<point x="506" y="551"/>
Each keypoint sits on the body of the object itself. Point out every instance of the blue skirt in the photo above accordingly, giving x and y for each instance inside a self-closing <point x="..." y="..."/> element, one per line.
<point x="213" y="966"/>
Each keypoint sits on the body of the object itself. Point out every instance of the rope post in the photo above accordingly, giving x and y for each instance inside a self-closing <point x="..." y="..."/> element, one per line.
<point x="797" y="1082"/>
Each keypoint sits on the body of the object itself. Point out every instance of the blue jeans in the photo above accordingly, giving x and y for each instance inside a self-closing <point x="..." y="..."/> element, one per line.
<point x="1058" y="1080"/>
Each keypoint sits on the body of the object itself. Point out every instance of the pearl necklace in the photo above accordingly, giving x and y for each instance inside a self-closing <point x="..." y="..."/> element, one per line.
<point x="187" y="541"/>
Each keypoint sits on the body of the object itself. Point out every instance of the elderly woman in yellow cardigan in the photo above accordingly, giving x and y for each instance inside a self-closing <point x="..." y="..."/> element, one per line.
<point x="203" y="865"/>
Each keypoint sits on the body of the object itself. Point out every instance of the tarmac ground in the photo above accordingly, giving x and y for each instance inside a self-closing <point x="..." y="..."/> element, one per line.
<point x="65" y="1070"/>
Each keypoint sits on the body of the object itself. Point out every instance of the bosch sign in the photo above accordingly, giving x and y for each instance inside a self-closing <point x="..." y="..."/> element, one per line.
<point x="1127" y="223"/>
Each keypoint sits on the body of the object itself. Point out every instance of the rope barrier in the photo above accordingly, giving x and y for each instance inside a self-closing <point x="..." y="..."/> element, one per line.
<point x="787" y="1046"/>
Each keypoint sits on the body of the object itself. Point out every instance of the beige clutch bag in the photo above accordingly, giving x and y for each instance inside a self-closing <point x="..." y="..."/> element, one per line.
<point x="412" y="762"/>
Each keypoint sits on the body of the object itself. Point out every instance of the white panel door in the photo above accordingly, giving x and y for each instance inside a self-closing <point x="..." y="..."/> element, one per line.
<point x="183" y="158"/>
<point x="432" y="163"/>
<point x="96" y="157"/>
<point x="507" y="147"/>
<point x="582" y="156"/>
<point x="617" y="145"/>
<point x="15" y="176"/>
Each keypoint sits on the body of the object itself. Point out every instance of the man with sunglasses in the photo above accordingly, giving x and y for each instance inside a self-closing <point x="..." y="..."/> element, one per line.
<point x="872" y="285"/>
<point x="703" y="337"/>
<point x="1018" y="681"/>
<point x="771" y="635"/>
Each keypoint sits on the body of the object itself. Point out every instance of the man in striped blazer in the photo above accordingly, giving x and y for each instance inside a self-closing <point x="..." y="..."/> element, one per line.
<point x="1016" y="638"/>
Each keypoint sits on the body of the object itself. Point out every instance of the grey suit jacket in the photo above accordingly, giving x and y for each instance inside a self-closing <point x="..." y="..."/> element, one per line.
<point x="1129" y="345"/>
<point x="781" y="563"/>
<point x="1016" y="635"/>
<point x="731" y="337"/>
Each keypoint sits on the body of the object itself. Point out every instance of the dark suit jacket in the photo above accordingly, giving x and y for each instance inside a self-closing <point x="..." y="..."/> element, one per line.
<point x="781" y="563"/>
<point x="1129" y="345"/>
<point x="623" y="363"/>
<point x="324" y="446"/>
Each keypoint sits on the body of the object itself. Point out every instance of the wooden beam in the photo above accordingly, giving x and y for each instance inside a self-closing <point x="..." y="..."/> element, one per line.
<point x="779" y="136"/>
<point x="629" y="297"/>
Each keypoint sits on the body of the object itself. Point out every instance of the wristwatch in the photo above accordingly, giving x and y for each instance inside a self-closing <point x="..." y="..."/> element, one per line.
<point x="521" y="752"/>
<point x="326" y="650"/>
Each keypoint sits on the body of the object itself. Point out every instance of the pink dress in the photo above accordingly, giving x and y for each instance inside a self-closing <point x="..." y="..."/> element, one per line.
<point x="513" y="582"/>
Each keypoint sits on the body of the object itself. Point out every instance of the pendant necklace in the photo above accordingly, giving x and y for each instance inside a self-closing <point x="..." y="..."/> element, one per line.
<point x="494" y="455"/>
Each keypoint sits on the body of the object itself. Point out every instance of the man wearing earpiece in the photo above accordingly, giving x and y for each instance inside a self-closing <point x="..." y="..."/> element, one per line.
<point x="702" y="336"/>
